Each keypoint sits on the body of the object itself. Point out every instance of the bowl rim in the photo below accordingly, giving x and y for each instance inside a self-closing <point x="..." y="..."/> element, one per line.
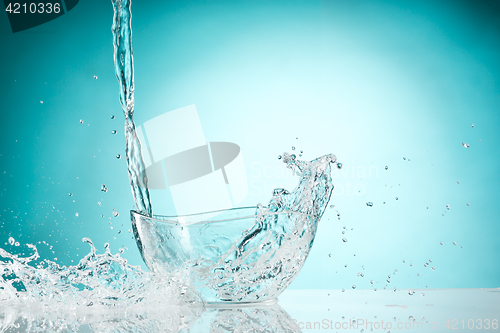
<point x="164" y="218"/>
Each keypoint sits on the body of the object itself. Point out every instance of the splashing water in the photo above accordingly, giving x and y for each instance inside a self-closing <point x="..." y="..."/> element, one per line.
<point x="98" y="280"/>
<point x="247" y="258"/>
<point x="108" y="281"/>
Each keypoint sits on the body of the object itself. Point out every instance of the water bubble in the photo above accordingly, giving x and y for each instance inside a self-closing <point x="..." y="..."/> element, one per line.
<point x="293" y="156"/>
<point x="130" y="230"/>
<point x="371" y="281"/>
<point x="16" y="243"/>
<point x="81" y="121"/>
<point x="279" y="157"/>
<point x="345" y="265"/>
<point x="343" y="232"/>
<point x="448" y="207"/>
<point x="339" y="165"/>
<point x="293" y="147"/>
<point x="118" y="156"/>
<point x="301" y="151"/>
<point x="472" y="125"/>
<point x="441" y="243"/>
<point x="95" y="77"/>
<point x="395" y="289"/>
<point x="41" y="102"/>
<point x="386" y="167"/>
<point x="374" y="289"/>
<point x="397" y="198"/>
<point x="115" y="214"/>
<point x="411" y="292"/>
<point x="76" y="214"/>
<point x="466" y="145"/>
<point x="468" y="204"/>
<point x="388" y="280"/>
<point x="112" y="117"/>
<point x="11" y="240"/>
<point x="454" y="243"/>
<point x="422" y="294"/>
<point x="104" y="188"/>
<point x="361" y="274"/>
<point x="410" y="318"/>
<point x="113" y="132"/>
<point x="343" y="290"/>
<point x="433" y="268"/>
<point x="332" y="206"/>
<point x="353" y="286"/>
<point x="344" y="240"/>
<point x="369" y="204"/>
<point x="404" y="158"/>
<point x="330" y="255"/>
<point x="458" y="182"/>
<point x="70" y="194"/>
<point x="418" y="274"/>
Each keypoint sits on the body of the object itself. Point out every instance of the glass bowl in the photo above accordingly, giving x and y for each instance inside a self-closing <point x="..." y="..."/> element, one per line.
<point x="238" y="255"/>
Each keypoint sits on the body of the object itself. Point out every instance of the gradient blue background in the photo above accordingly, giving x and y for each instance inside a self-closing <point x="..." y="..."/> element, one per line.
<point x="370" y="81"/>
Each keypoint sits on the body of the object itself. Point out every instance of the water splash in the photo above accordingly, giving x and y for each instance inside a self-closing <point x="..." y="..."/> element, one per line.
<point x="98" y="280"/>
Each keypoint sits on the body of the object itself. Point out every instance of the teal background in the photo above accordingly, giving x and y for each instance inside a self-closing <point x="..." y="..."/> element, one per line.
<point x="370" y="81"/>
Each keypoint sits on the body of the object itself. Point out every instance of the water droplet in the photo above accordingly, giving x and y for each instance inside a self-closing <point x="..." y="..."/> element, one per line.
<point x="301" y="151"/>
<point x="330" y="255"/>
<point x="404" y="261"/>
<point x="343" y="290"/>
<point x="454" y="243"/>
<point x="374" y="289"/>
<point x="130" y="230"/>
<point x="95" y="77"/>
<point x="472" y="125"/>
<point x="404" y="158"/>
<point x="344" y="240"/>
<point x="386" y="167"/>
<point x="115" y="214"/>
<point x="112" y="117"/>
<point x="11" y="240"/>
<point x="448" y="207"/>
<point x="388" y="280"/>
<point x="81" y="121"/>
<point x="16" y="243"/>
<point x="339" y="165"/>
<point x="411" y="292"/>
<point x="104" y="188"/>
<point x="293" y="156"/>
<point x="397" y="198"/>
<point x="332" y="206"/>
<point x="371" y="281"/>
<point x="353" y="286"/>
<point x="369" y="204"/>
<point x="293" y="147"/>
<point x="279" y="157"/>
<point x="394" y="289"/>
<point x="113" y="132"/>
<point x="422" y="294"/>
<point x="76" y="214"/>
<point x="70" y="194"/>
<point x="118" y="156"/>
<point x="426" y="264"/>
<point x="466" y="145"/>
<point x="345" y="265"/>
<point x="468" y="204"/>
<point x="441" y="243"/>
<point x="418" y="274"/>
<point x="361" y="274"/>
<point x="41" y="102"/>
<point x="433" y="268"/>
<point x="458" y="182"/>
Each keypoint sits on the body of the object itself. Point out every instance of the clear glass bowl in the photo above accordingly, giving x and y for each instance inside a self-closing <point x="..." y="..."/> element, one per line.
<point x="238" y="255"/>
